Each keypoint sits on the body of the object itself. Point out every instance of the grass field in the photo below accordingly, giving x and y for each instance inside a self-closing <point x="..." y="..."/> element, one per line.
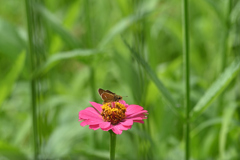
<point x="180" y="64"/>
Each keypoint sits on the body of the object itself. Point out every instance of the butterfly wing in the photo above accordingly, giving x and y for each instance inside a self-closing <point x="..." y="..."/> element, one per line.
<point x="107" y="97"/>
<point x="109" y="92"/>
<point x="100" y="91"/>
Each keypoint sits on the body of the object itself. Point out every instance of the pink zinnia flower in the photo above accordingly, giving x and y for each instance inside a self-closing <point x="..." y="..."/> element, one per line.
<point x="117" y="116"/>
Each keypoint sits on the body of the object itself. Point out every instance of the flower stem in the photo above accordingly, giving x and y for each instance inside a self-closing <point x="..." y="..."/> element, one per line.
<point x="112" y="145"/>
<point x="187" y="78"/>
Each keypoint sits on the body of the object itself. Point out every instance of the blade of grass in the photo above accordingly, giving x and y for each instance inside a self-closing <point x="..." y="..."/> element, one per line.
<point x="12" y="42"/>
<point x="130" y="73"/>
<point x="56" y="58"/>
<point x="227" y="116"/>
<point x="154" y="78"/>
<point x="57" y="27"/>
<point x="29" y="10"/>
<point x="8" y="151"/>
<point x="216" y="9"/>
<point x="118" y="28"/>
<point x="187" y="78"/>
<point x="37" y="52"/>
<point x="216" y="88"/>
<point x="203" y="125"/>
<point x="7" y="83"/>
<point x="225" y="49"/>
<point x="123" y="24"/>
<point x="30" y="17"/>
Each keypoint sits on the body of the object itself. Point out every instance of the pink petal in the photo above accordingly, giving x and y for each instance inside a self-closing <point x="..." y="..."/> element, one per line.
<point x="107" y="129"/>
<point x="91" y="116"/>
<point x="119" y="128"/>
<point x="135" y="118"/>
<point x="127" y="122"/>
<point x="138" y="114"/>
<point x="83" y="124"/>
<point x="139" y="121"/>
<point x="97" y="106"/>
<point x="94" y="127"/>
<point x="116" y="130"/>
<point x="122" y="127"/>
<point x="133" y="109"/>
<point x="93" y="122"/>
<point x="129" y="127"/>
<point x="89" y="113"/>
<point x="105" y="125"/>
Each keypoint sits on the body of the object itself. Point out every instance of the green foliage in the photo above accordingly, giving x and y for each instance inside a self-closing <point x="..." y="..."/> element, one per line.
<point x="11" y="152"/>
<point x="133" y="48"/>
<point x="217" y="88"/>
<point x="154" y="78"/>
<point x="8" y="80"/>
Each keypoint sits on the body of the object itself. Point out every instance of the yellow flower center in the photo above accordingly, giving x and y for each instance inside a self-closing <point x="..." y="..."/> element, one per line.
<point x="113" y="112"/>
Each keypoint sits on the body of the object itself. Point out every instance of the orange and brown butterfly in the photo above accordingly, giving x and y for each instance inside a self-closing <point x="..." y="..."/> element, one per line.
<point x="108" y="96"/>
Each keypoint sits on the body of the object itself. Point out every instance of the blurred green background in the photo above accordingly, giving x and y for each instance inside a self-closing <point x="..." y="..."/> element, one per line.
<point x="54" y="55"/>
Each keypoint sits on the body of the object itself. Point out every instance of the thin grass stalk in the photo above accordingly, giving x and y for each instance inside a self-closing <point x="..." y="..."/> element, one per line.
<point x="187" y="78"/>
<point x="88" y="43"/>
<point x="224" y="49"/>
<point x="36" y="35"/>
<point x="138" y="45"/>
<point x="224" y="63"/>
<point x="29" y="10"/>
<point x="225" y="36"/>
<point x="88" y="23"/>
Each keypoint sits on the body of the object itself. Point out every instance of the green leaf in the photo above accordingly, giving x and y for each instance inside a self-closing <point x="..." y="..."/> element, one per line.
<point x="8" y="81"/>
<point x="217" y="88"/>
<point x="57" y="27"/>
<point x="56" y="146"/>
<point x="166" y="94"/>
<point x="123" y="24"/>
<point x="118" y="28"/>
<point x="204" y="125"/>
<point x="11" y="41"/>
<point x="10" y="152"/>
<point x="56" y="58"/>
<point x="216" y="8"/>
<point x="95" y="154"/>
<point x="227" y="117"/>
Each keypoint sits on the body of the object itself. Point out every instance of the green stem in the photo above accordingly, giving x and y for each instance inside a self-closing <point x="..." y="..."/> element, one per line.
<point x="224" y="49"/>
<point x="187" y="79"/>
<point x="224" y="63"/>
<point x="29" y="9"/>
<point x="112" y="144"/>
<point x="37" y="51"/>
